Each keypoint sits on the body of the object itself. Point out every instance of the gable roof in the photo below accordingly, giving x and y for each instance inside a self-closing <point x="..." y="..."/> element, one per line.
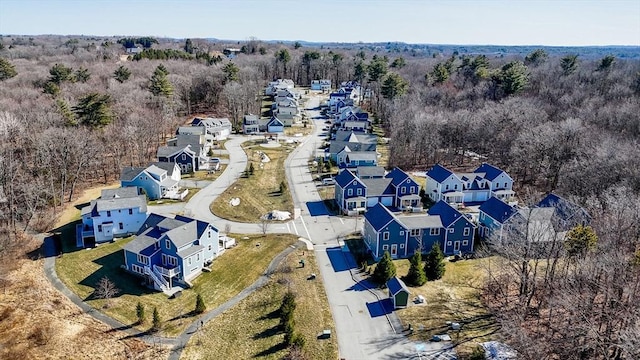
<point x="491" y="172"/>
<point x="378" y="186"/>
<point x="167" y="151"/>
<point x="129" y="173"/>
<point x="378" y="216"/>
<point x="396" y="285"/>
<point x="369" y="171"/>
<point x="439" y="173"/>
<point x="448" y="215"/>
<point x="123" y="192"/>
<point x="362" y="155"/>
<point x="398" y="176"/>
<point x="565" y="209"/>
<point x="169" y="167"/>
<point x="345" y="177"/>
<point x="115" y="199"/>
<point x="497" y="209"/>
<point x="420" y="221"/>
<point x="274" y="121"/>
<point x="337" y="146"/>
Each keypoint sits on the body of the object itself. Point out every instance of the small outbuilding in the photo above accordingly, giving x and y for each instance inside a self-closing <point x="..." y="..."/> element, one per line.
<point x="398" y="293"/>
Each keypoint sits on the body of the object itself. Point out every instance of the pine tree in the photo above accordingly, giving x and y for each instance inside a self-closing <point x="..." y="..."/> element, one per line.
<point x="7" y="70"/>
<point x="94" y="110"/>
<point x="434" y="267"/>
<point x="580" y="240"/>
<point x="140" y="313"/>
<point x="385" y="269"/>
<point x="230" y="71"/>
<point x="157" y="323"/>
<point x="160" y="84"/>
<point x="416" y="275"/>
<point x="122" y="74"/>
<point x="200" y="306"/>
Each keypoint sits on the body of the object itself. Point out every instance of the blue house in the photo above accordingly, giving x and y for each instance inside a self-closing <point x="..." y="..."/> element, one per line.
<point x="351" y="159"/>
<point x="170" y="251"/>
<point x="567" y="213"/>
<point x="158" y="180"/>
<point x="403" y="235"/>
<point x="117" y="213"/>
<point x="494" y="213"/>
<point x="350" y="193"/>
<point x="406" y="190"/>
<point x="275" y="125"/>
<point x="184" y="156"/>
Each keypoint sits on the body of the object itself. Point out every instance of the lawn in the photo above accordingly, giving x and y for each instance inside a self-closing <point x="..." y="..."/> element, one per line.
<point x="298" y="129"/>
<point x="234" y="270"/>
<point x="258" y="193"/>
<point x="251" y="328"/>
<point x="192" y="191"/>
<point x="453" y="298"/>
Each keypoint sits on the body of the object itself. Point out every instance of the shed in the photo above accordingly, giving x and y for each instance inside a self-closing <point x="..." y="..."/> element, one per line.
<point x="398" y="293"/>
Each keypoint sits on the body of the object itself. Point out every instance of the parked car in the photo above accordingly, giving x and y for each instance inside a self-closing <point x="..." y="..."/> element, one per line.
<point x="329" y="181"/>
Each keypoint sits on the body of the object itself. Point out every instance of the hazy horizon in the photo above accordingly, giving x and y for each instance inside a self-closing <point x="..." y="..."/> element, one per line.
<point x="462" y="22"/>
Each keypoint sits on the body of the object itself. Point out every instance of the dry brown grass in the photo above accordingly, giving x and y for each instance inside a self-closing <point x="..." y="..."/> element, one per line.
<point x="259" y="193"/>
<point x="70" y="213"/>
<point x="250" y="329"/>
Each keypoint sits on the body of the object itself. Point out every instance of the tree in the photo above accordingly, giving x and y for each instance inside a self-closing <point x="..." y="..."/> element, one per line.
<point x="265" y="222"/>
<point x="377" y="69"/>
<point x="7" y="69"/>
<point x="140" y="315"/>
<point x="65" y="112"/>
<point x="94" y="110"/>
<point x="569" y="64"/>
<point x="51" y="88"/>
<point x="434" y="266"/>
<point x="288" y="306"/>
<point x="122" y="74"/>
<point x="297" y="45"/>
<point x="398" y="63"/>
<point x="106" y="289"/>
<point x="200" y="306"/>
<point x="393" y="86"/>
<point x="536" y="57"/>
<point x="283" y="56"/>
<point x="606" y="62"/>
<point x="157" y="322"/>
<point x="188" y="46"/>
<point x="160" y="84"/>
<point x="416" y="275"/>
<point x="82" y="75"/>
<point x="512" y="78"/>
<point x="385" y="269"/>
<point x="59" y="74"/>
<point x="440" y="73"/>
<point x="580" y="240"/>
<point x="230" y="71"/>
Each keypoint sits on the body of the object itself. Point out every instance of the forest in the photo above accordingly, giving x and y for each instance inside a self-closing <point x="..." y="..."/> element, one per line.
<point x="74" y="110"/>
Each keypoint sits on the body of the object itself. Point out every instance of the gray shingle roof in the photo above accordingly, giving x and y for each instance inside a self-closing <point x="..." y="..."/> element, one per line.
<point x="122" y="203"/>
<point x="122" y="192"/>
<point x="377" y="187"/>
<point x="184" y="234"/>
<point x="140" y="243"/>
<point x="129" y="173"/>
<point x="420" y="221"/>
<point x="169" y="167"/>
<point x="370" y="171"/>
<point x="190" y="251"/>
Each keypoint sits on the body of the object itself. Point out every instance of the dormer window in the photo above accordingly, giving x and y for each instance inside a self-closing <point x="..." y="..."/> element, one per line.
<point x="167" y="244"/>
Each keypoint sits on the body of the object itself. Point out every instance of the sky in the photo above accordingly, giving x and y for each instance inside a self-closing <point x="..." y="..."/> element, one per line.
<point x="458" y="22"/>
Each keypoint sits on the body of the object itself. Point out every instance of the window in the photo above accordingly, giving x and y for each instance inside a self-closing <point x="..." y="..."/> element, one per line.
<point x="415" y="232"/>
<point x="167" y="244"/>
<point x="505" y="185"/>
<point x="413" y="190"/>
<point x="401" y="246"/>
<point x="184" y="157"/>
<point x="403" y="190"/>
<point x="448" y="243"/>
<point x="450" y="231"/>
<point x="130" y="211"/>
<point x="209" y="247"/>
<point x="385" y="247"/>
<point x="434" y="231"/>
<point x="137" y="269"/>
<point x="401" y="233"/>
<point x="465" y="242"/>
<point x="385" y="235"/>
<point x="466" y="232"/>
<point x="120" y="226"/>
<point x="172" y="260"/>
<point x="156" y="245"/>
<point x="198" y="257"/>
<point x="99" y="228"/>
<point x="350" y="192"/>
<point x="359" y="192"/>
<point x="189" y="261"/>
<point x="455" y="187"/>
<point x="446" y="187"/>
<point x="108" y="213"/>
<point x="208" y="233"/>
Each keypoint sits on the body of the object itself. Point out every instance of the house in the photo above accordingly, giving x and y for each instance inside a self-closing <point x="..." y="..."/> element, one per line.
<point x="284" y="94"/>
<point x="350" y="193"/>
<point x="493" y="214"/>
<point x="187" y="159"/>
<point x="158" y="180"/>
<point x="250" y="124"/>
<point x="197" y="142"/>
<point x="118" y="212"/>
<point x="475" y="187"/>
<point x="134" y="50"/>
<point x="369" y="172"/>
<point x="403" y="235"/>
<point x="378" y="190"/>
<point x="347" y="158"/>
<point x="398" y="293"/>
<point x="323" y="84"/>
<point x="275" y="125"/>
<point x="354" y="143"/>
<point x="170" y="251"/>
<point x="406" y="190"/>
<point x="218" y="128"/>
<point x="231" y="53"/>
<point x="568" y="214"/>
<point x="279" y="84"/>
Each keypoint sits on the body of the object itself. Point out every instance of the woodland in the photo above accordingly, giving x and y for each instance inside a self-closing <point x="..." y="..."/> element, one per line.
<point x="74" y="110"/>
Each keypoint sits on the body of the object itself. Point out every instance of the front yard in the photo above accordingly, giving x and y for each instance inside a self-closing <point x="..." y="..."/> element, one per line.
<point x="251" y="328"/>
<point x="237" y="268"/>
<point x="259" y="193"/>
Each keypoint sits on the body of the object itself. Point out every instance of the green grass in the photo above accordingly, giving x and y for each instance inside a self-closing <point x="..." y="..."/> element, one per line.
<point x="234" y="270"/>
<point x="259" y="193"/>
<point x="251" y="328"/>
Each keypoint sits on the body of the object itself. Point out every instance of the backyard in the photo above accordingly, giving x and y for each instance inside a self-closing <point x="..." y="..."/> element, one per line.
<point x="233" y="271"/>
<point x="251" y="328"/>
<point x="259" y="193"/>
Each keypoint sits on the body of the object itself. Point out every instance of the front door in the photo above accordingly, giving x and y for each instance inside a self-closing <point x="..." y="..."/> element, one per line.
<point x="394" y="251"/>
<point x="456" y="246"/>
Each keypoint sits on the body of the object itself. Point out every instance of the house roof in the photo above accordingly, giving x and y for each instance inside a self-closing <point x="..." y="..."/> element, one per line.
<point x="537" y="224"/>
<point x="274" y="121"/>
<point x="251" y="117"/>
<point x="378" y="216"/>
<point x="565" y="209"/>
<point x="183" y="235"/>
<point x="344" y="178"/>
<point x="191" y="130"/>
<point x="362" y="155"/>
<point x="166" y="151"/>
<point x="356" y="136"/>
<point x="420" y="221"/>
<point x="337" y="146"/>
<point x="397" y="176"/>
<point x="497" y="209"/>
<point x="211" y="122"/>
<point x="116" y="199"/>
<point x="156" y="171"/>
<point x="123" y="192"/>
<point x="129" y="173"/>
<point x="439" y="173"/>
<point x="378" y="186"/>
<point x="447" y="213"/>
<point x="169" y="167"/>
<point x="396" y="285"/>
<point x="190" y="251"/>
<point x="369" y="171"/>
<point x="491" y="172"/>
<point x="140" y="243"/>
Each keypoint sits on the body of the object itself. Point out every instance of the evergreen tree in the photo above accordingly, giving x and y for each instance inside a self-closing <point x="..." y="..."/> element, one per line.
<point x="65" y="111"/>
<point x="283" y="187"/>
<point x="7" y="70"/>
<point x="416" y="275"/>
<point x="606" y="62"/>
<point x="398" y="63"/>
<point x="287" y="307"/>
<point x="157" y="323"/>
<point x="94" y="110"/>
<point x="377" y="69"/>
<point x="513" y="78"/>
<point x="51" y="88"/>
<point x="188" y="46"/>
<point x="122" y="74"/>
<point x="385" y="269"/>
<point x="440" y="73"/>
<point x="580" y="240"/>
<point x="59" y="74"/>
<point x="200" y="306"/>
<point x="536" y="57"/>
<point x="394" y="85"/>
<point x="140" y="313"/>
<point x="434" y="267"/>
<point x="569" y="64"/>
<point x="230" y="71"/>
<point x="82" y="75"/>
<point x="160" y="84"/>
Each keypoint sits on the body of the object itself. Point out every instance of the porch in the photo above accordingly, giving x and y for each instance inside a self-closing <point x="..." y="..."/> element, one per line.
<point x="409" y="202"/>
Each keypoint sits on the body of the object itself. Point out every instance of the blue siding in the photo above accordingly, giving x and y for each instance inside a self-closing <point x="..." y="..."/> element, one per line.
<point x="397" y="236"/>
<point x="147" y="183"/>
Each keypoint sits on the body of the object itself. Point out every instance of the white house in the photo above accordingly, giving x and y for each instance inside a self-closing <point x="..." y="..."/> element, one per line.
<point x="219" y="128"/>
<point x="323" y="84"/>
